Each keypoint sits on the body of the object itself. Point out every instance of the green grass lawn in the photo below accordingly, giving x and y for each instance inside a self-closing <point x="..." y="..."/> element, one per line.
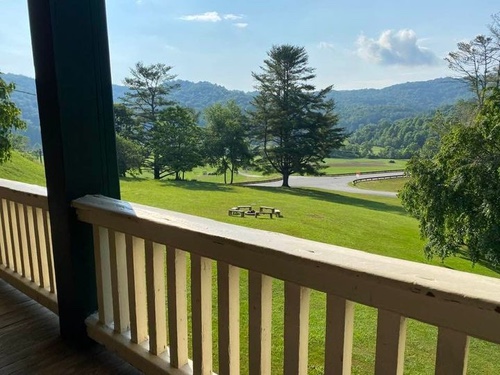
<point x="377" y="225"/>
<point x="393" y="185"/>
<point x="338" y="166"/>
<point x="23" y="169"/>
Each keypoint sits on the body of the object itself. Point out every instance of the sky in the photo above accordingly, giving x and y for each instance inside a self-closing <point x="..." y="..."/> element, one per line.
<point x="351" y="44"/>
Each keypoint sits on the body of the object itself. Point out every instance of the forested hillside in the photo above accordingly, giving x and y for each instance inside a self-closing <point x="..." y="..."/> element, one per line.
<point x="356" y="108"/>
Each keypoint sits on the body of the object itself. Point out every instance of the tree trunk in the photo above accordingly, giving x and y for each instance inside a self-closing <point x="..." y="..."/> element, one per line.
<point x="156" y="168"/>
<point x="286" y="176"/>
<point x="232" y="175"/>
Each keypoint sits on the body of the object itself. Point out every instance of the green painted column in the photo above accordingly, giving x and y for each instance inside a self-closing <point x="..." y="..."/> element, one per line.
<point x="73" y="81"/>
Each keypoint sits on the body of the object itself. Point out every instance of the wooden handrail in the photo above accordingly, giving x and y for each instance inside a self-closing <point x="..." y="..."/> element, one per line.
<point x="26" y="259"/>
<point x="451" y="300"/>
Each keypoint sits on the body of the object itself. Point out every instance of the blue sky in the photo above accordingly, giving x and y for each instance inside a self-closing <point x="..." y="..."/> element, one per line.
<point x="352" y="44"/>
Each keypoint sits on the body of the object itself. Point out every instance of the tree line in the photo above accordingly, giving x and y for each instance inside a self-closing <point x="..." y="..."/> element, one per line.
<point x="290" y="129"/>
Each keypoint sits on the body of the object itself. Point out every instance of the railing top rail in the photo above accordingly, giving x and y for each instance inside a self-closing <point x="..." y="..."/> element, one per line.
<point x="439" y="296"/>
<point x="32" y="195"/>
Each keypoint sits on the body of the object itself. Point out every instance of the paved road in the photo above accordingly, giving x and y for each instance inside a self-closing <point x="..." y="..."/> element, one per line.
<point x="340" y="183"/>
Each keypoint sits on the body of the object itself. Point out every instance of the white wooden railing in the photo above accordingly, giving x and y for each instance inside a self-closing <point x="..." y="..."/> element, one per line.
<point x="149" y="262"/>
<point x="26" y="259"/>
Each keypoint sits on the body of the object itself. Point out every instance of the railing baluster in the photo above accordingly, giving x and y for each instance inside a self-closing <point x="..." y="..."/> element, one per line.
<point x="48" y="251"/>
<point x="201" y="301"/>
<point x="452" y="352"/>
<point x="391" y="337"/>
<point x="13" y="236"/>
<point x="103" y="274"/>
<point x="339" y="335"/>
<point x="229" y="318"/>
<point x="119" y="288"/>
<point x="3" y="244"/>
<point x="259" y="323"/>
<point x="8" y="236"/>
<point x="35" y="245"/>
<point x="40" y="247"/>
<point x="136" y="274"/>
<point x="22" y="239"/>
<point x="177" y="306"/>
<point x="155" y="281"/>
<point x="30" y="240"/>
<point x="296" y="328"/>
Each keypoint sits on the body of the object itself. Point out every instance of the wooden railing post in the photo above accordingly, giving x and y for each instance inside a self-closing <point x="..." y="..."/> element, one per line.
<point x="73" y="82"/>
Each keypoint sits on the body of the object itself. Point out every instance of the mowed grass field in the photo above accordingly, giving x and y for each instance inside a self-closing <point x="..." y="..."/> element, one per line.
<point x="394" y="184"/>
<point x="374" y="224"/>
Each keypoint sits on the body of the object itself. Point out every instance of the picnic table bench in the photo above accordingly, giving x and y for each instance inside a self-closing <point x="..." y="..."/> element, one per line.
<point x="247" y="210"/>
<point x="265" y="210"/>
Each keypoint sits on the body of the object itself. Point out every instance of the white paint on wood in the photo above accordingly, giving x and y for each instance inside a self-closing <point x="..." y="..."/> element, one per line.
<point x="452" y="352"/>
<point x="22" y="240"/>
<point x="228" y="318"/>
<point x="136" y="275"/>
<point x="338" y="335"/>
<point x="31" y="195"/>
<point x="119" y="290"/>
<point x="391" y="339"/>
<point x="136" y="354"/>
<point x="259" y="323"/>
<point x="103" y="274"/>
<point x="155" y="281"/>
<point x="35" y="247"/>
<point x="296" y="329"/>
<point x="177" y="306"/>
<point x="419" y="291"/>
<point x="41" y="247"/>
<point x="31" y="244"/>
<point x="201" y="302"/>
<point x="3" y="241"/>
<point x="13" y="236"/>
<point x="48" y="252"/>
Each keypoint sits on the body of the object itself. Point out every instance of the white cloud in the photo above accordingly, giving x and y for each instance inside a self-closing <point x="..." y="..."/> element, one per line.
<point x="395" y="48"/>
<point x="325" y="45"/>
<point x="232" y="17"/>
<point x="240" y="25"/>
<point x="204" y="17"/>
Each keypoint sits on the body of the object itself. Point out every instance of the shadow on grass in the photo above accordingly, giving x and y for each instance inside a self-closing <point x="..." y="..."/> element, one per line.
<point x="481" y="262"/>
<point x="196" y="185"/>
<point x="333" y="197"/>
<point x="133" y="179"/>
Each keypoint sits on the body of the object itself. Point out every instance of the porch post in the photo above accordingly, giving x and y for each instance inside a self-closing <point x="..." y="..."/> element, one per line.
<point x="73" y="82"/>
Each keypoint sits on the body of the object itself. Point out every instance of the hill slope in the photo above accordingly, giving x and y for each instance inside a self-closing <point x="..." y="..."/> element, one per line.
<point x="356" y="108"/>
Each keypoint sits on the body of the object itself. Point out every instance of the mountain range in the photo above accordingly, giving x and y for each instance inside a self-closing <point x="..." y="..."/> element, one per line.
<point x="356" y="108"/>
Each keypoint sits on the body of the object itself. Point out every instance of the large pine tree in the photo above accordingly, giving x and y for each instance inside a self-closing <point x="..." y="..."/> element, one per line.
<point x="295" y="126"/>
<point x="147" y="95"/>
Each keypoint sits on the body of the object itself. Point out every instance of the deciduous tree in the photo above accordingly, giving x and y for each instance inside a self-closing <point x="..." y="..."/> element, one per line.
<point x="176" y="140"/>
<point x="226" y="143"/>
<point x="455" y="195"/>
<point x="9" y="119"/>
<point x="295" y="126"/>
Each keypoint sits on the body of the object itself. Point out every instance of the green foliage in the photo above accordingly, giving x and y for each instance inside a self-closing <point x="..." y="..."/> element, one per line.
<point x="130" y="156"/>
<point x="226" y="144"/>
<point x="9" y="119"/>
<point x="456" y="194"/>
<point x="294" y="126"/>
<point x="148" y="88"/>
<point x="176" y="141"/>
